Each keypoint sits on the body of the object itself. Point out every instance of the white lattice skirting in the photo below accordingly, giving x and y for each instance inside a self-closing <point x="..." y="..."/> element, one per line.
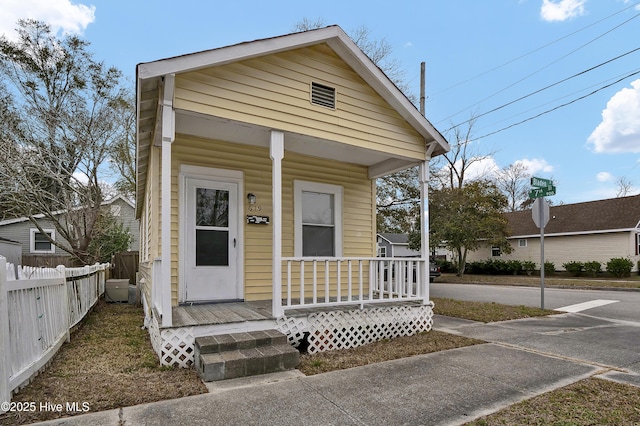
<point x="174" y="346"/>
<point x="326" y="331"/>
<point x="322" y="331"/>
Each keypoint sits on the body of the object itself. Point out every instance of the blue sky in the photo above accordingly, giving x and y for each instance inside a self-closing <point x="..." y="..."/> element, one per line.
<point x="482" y="57"/>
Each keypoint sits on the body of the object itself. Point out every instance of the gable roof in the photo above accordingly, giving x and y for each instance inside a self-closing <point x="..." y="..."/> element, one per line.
<point x="610" y="215"/>
<point x="395" y="238"/>
<point x="150" y="74"/>
<point x="56" y="213"/>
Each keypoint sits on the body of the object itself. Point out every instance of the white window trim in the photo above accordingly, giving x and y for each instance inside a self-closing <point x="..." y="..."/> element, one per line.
<point x="32" y="240"/>
<point x="522" y="242"/>
<point x="324" y="188"/>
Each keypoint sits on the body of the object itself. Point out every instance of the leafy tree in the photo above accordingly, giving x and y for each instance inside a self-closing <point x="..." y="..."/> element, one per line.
<point x="464" y="218"/>
<point x="398" y="197"/>
<point x="59" y="117"/>
<point x="111" y="237"/>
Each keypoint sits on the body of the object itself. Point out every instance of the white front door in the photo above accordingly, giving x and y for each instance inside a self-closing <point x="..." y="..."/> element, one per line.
<point x="211" y="222"/>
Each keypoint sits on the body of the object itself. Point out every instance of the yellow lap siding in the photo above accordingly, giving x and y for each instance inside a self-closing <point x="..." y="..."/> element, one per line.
<point x="274" y="91"/>
<point x="254" y="162"/>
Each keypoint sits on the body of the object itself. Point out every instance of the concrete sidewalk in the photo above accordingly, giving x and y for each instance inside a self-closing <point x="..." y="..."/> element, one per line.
<point x="527" y="358"/>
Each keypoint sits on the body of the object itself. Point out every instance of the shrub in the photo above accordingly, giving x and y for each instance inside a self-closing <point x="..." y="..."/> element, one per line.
<point x="592" y="269"/>
<point x="549" y="268"/>
<point x="446" y="266"/>
<point x="514" y="266"/>
<point x="573" y="268"/>
<point x="619" y="267"/>
<point x="528" y="266"/>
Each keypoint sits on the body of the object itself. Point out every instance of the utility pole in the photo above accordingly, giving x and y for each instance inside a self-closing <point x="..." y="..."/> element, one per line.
<point x="422" y="88"/>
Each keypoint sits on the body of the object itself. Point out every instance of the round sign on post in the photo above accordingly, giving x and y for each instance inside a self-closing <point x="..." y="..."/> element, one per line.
<point x="540" y="212"/>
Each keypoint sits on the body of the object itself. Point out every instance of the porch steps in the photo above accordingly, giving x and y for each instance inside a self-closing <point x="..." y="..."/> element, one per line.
<point x="229" y="356"/>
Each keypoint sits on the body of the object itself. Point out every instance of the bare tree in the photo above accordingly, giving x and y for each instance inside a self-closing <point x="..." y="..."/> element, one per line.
<point x="513" y="181"/>
<point x="464" y="155"/>
<point x="625" y="186"/>
<point x="53" y="152"/>
<point x="123" y="150"/>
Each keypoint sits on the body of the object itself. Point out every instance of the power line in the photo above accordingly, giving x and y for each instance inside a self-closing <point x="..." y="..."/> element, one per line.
<point x="533" y="51"/>
<point x="539" y="69"/>
<point x="558" y="99"/>
<point x="556" y="107"/>
<point x="546" y="87"/>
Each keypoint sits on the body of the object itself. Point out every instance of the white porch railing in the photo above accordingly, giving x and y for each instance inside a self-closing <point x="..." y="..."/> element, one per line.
<point x="333" y="281"/>
<point x="36" y="313"/>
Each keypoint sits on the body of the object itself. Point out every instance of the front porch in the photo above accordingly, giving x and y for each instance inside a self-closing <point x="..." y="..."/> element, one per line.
<point x="313" y="328"/>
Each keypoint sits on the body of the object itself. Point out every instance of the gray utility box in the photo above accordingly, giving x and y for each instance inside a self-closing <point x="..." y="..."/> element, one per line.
<point x="117" y="290"/>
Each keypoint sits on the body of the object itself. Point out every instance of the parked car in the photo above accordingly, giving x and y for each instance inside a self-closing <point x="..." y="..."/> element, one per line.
<point x="434" y="271"/>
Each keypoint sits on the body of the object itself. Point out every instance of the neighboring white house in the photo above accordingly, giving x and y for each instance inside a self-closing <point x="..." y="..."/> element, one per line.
<point x="33" y="242"/>
<point x="590" y="231"/>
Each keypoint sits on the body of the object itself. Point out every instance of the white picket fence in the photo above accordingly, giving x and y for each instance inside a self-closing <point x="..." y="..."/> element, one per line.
<point x="37" y="310"/>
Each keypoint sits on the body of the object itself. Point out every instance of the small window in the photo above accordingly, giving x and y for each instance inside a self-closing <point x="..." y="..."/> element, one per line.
<point x="323" y="95"/>
<point x="382" y="251"/>
<point x="522" y="243"/>
<point x="495" y="251"/>
<point x="40" y="243"/>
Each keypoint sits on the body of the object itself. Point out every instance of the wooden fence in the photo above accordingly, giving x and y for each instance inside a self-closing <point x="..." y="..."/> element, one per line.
<point x="124" y="265"/>
<point x="36" y="313"/>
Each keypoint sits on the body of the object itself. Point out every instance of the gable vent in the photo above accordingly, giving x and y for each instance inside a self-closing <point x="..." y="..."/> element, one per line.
<point x="323" y="95"/>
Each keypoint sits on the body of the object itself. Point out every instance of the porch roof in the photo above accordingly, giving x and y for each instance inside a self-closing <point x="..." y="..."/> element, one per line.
<point x="150" y="77"/>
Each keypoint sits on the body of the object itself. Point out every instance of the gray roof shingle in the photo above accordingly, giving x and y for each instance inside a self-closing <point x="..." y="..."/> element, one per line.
<point x="600" y="215"/>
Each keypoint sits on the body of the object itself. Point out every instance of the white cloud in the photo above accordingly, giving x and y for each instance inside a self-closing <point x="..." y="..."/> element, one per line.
<point x="535" y="165"/>
<point x="629" y="1"/>
<point x="604" y="177"/>
<point x="619" y="130"/>
<point x="408" y="44"/>
<point x="481" y="169"/>
<point x="60" y="14"/>
<point x="561" y="10"/>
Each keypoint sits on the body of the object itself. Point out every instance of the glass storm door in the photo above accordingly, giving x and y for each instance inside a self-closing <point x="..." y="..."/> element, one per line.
<point x="211" y="243"/>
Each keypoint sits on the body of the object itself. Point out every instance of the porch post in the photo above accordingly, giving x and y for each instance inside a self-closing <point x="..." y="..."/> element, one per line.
<point x="277" y="153"/>
<point x="168" y="136"/>
<point x="424" y="227"/>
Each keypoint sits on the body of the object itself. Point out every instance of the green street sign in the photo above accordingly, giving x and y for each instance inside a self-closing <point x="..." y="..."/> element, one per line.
<point x="542" y="192"/>
<point x="541" y="183"/>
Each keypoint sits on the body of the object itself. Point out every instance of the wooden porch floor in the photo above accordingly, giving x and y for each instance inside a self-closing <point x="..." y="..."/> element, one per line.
<point x="234" y="312"/>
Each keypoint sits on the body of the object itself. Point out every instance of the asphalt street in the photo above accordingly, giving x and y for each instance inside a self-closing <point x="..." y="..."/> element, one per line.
<point x="625" y="304"/>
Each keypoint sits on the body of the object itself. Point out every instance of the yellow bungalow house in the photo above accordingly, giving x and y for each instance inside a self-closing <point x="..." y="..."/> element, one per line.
<point x="256" y="190"/>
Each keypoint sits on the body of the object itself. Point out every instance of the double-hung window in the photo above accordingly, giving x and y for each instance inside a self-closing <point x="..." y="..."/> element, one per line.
<point x="39" y="242"/>
<point x="318" y="219"/>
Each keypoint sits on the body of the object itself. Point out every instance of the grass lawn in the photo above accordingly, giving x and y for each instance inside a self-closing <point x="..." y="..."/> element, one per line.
<point x="110" y="364"/>
<point x="558" y="279"/>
